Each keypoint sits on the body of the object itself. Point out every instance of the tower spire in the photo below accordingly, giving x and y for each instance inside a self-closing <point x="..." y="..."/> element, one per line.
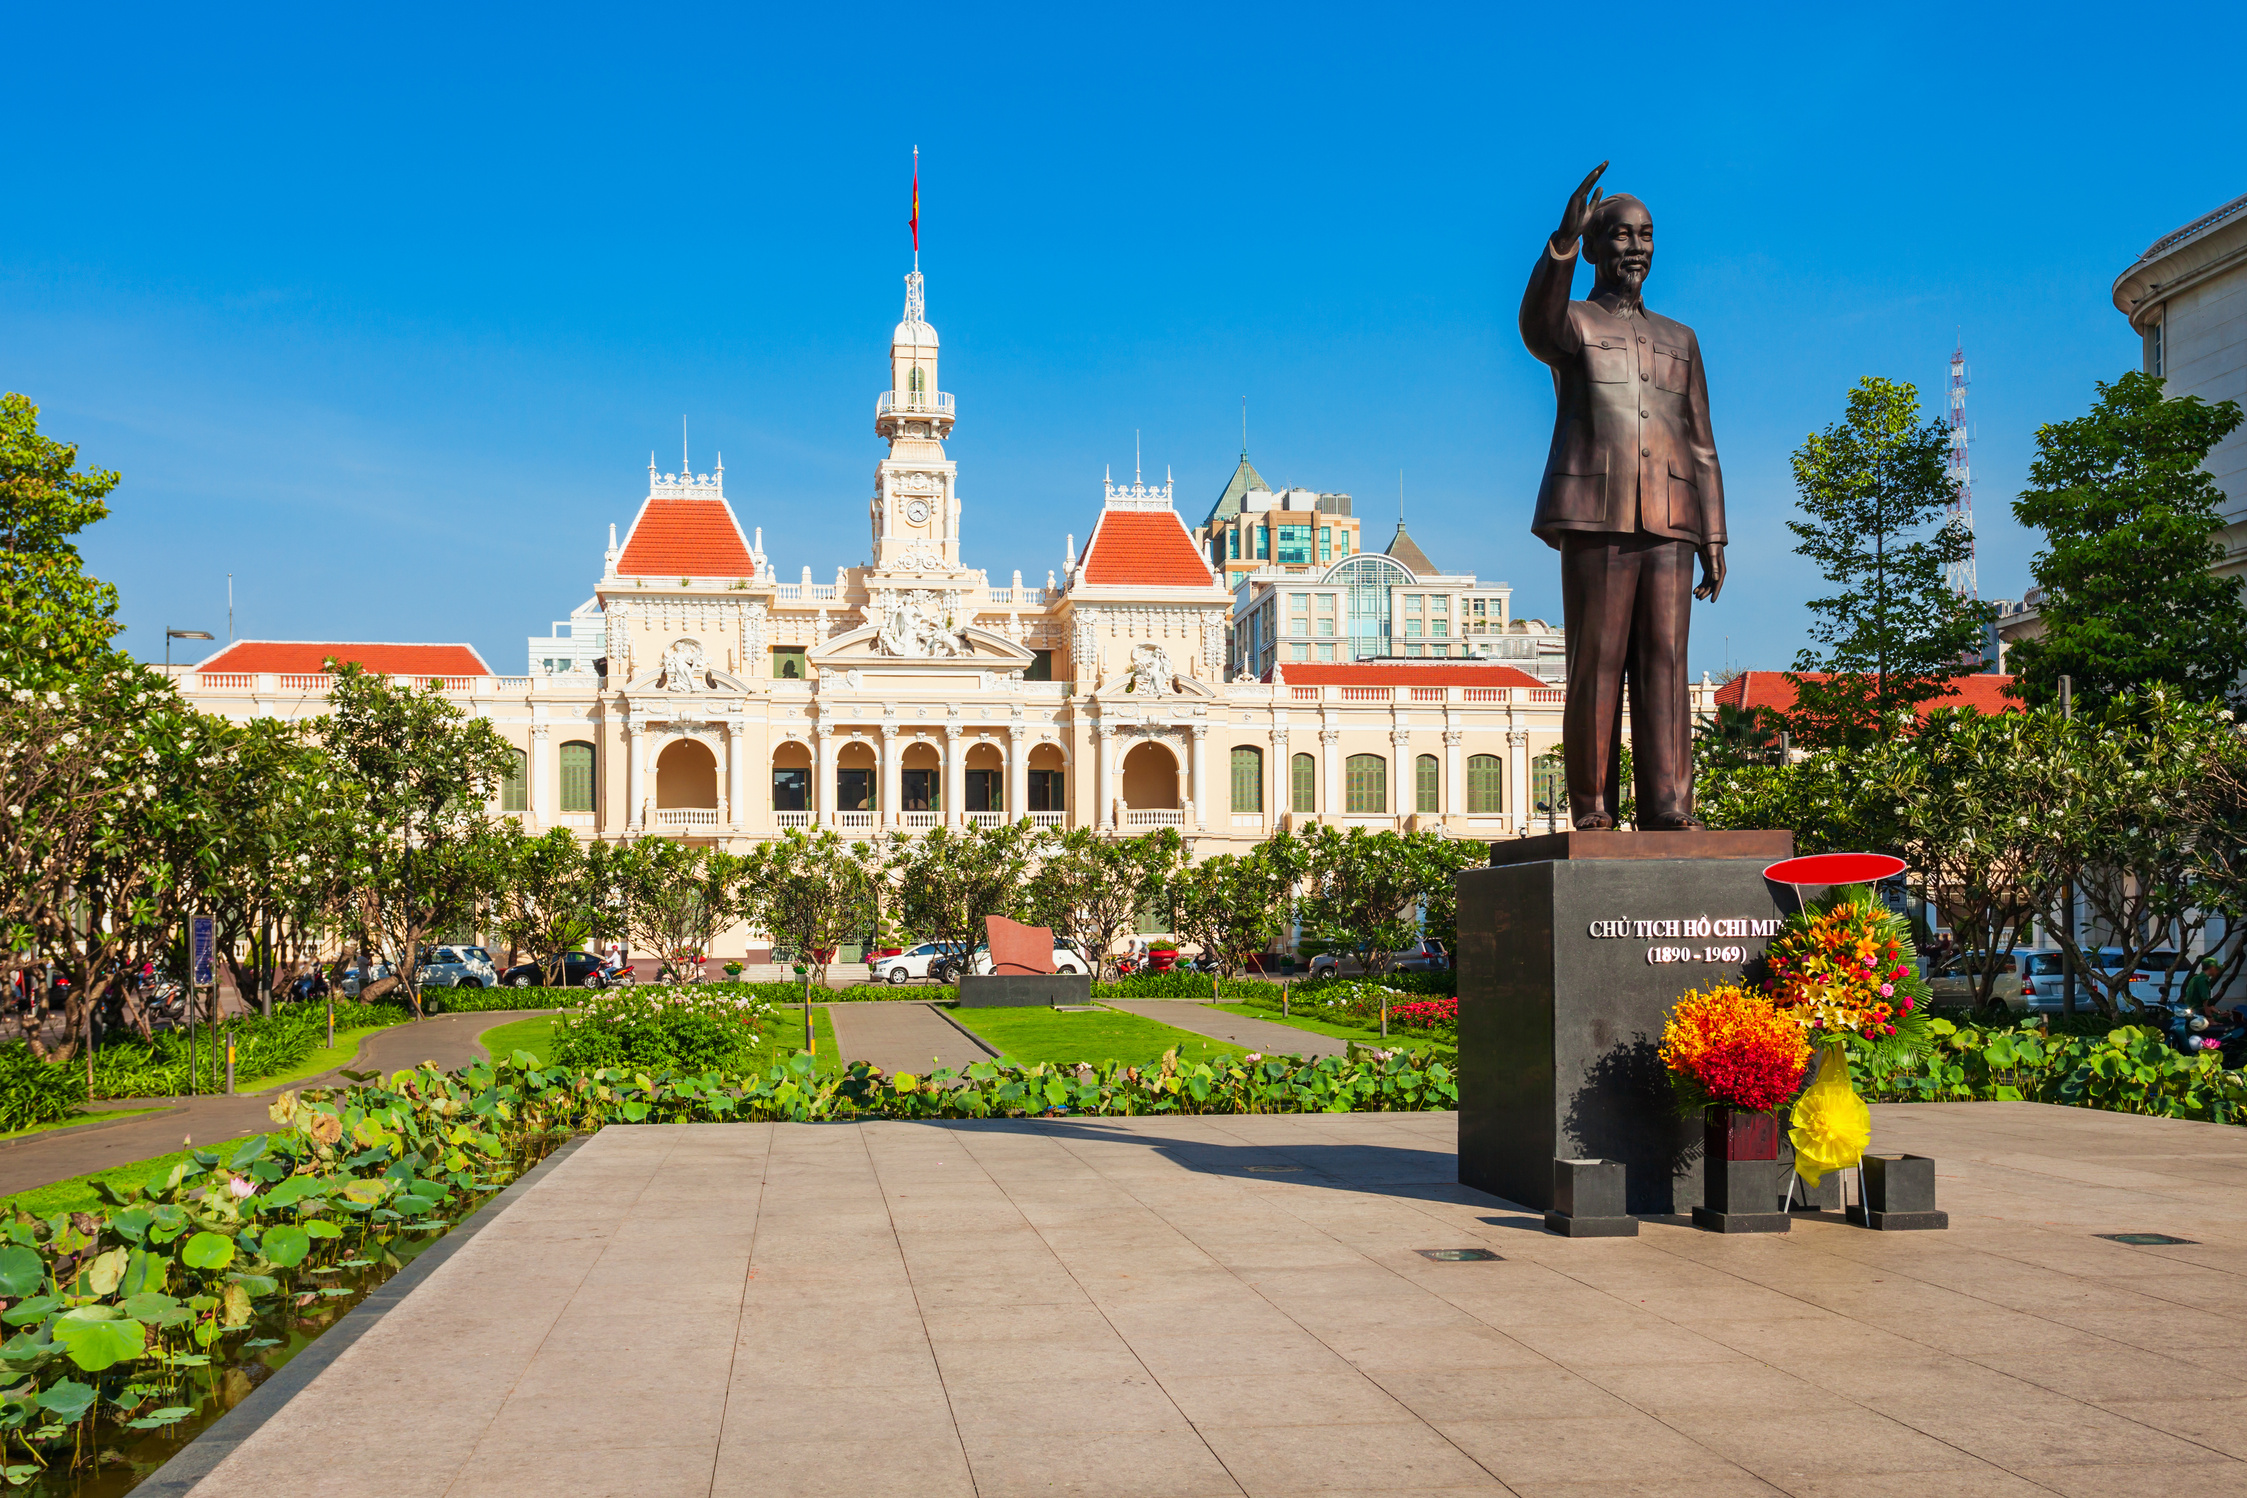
<point x="1962" y="573"/>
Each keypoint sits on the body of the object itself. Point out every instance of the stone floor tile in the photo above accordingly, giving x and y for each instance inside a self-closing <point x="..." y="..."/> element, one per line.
<point x="917" y="1410"/>
<point x="1545" y="1393"/>
<point x="2214" y="1479"/>
<point x="1185" y="1353"/>
<point x="759" y="1465"/>
<point x="1608" y="1449"/>
<point x="643" y="1471"/>
<point x="1782" y="1445"/>
<point x="1041" y="1405"/>
<point x="1337" y="1398"/>
<point x="1278" y="1460"/>
<point x="1134" y="1465"/>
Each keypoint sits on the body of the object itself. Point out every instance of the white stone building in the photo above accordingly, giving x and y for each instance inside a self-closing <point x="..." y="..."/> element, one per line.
<point x="698" y="694"/>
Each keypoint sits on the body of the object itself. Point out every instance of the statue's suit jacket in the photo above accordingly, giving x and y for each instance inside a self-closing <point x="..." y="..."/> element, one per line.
<point x="1632" y="450"/>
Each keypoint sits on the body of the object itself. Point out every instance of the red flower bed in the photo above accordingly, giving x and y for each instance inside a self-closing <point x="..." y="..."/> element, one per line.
<point x="1426" y="1014"/>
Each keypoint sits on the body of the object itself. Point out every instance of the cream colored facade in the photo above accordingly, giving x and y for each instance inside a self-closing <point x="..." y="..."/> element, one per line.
<point x="917" y="699"/>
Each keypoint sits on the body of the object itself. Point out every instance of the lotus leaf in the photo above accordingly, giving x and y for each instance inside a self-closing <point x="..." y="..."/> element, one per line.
<point x="67" y="1400"/>
<point x="106" y="1272"/>
<point x="30" y="1312"/>
<point x="234" y="1304"/>
<point x="152" y="1307"/>
<point x="98" y="1344"/>
<point x="132" y="1224"/>
<point x="256" y="1285"/>
<point x="318" y="1227"/>
<point x="208" y="1251"/>
<point x="145" y="1271"/>
<point x="262" y="1342"/>
<point x="286" y="1245"/>
<point x="21" y="1270"/>
<point x="157" y="1419"/>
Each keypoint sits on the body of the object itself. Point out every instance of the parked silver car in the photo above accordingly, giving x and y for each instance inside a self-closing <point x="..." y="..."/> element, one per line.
<point x="1423" y="956"/>
<point x="2043" y="982"/>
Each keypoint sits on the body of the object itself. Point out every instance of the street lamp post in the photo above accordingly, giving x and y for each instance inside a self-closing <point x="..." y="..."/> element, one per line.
<point x="179" y="634"/>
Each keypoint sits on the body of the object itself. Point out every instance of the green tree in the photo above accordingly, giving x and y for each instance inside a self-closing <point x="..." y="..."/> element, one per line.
<point x="547" y="900"/>
<point x="944" y="881"/>
<point x="423" y="773"/>
<point x="1235" y="905"/>
<point x="1736" y="736"/>
<point x="811" y="893"/>
<point x="55" y="621"/>
<point x="2129" y="515"/>
<point x="1893" y="633"/>
<point x="1091" y="887"/>
<point x="1361" y="892"/>
<point x="671" y="898"/>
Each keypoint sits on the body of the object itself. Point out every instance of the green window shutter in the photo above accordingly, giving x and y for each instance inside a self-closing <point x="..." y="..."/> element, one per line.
<point x="1427" y="784"/>
<point x="577" y="777"/>
<point x="1303" y="781"/>
<point x="1367" y="776"/>
<point x="513" y="794"/>
<point x="1248" y="779"/>
<point x="1486" y="785"/>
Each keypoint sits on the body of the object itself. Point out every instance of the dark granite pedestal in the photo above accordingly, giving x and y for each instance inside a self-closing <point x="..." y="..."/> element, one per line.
<point x="1024" y="990"/>
<point x="1572" y="948"/>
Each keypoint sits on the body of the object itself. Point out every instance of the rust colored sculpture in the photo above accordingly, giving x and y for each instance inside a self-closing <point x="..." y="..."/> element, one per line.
<point x="1631" y="492"/>
<point x="1016" y="948"/>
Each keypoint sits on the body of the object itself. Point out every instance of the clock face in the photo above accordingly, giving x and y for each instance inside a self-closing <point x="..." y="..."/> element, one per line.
<point x="917" y="512"/>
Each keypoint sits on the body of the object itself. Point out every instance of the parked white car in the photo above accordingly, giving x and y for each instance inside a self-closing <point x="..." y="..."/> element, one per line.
<point x="457" y="967"/>
<point x="1066" y="959"/>
<point x="914" y="962"/>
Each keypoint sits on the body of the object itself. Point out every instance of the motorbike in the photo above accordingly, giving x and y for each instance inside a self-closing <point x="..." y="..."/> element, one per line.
<point x="619" y="974"/>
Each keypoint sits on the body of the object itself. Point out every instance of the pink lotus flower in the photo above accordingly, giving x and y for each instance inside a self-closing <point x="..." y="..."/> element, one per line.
<point x="241" y="1186"/>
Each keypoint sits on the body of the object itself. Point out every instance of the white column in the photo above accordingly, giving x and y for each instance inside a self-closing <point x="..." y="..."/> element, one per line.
<point x="823" y="776"/>
<point x="1196" y="780"/>
<point x="1103" y="792"/>
<point x="1017" y="773"/>
<point x="955" y="775"/>
<point x="1518" y="804"/>
<point x="1454" y="769"/>
<point x="1404" y="780"/>
<point x="540" y="789"/>
<point x="736" y="767"/>
<point x="1333" y="796"/>
<point x="635" y="790"/>
<point x="1279" y="802"/>
<point x="891" y="792"/>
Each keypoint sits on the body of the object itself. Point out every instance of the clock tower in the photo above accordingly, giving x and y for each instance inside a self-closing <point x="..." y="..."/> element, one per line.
<point x="916" y="510"/>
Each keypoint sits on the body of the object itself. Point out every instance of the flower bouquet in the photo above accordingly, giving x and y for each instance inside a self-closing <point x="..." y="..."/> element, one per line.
<point x="1732" y="1048"/>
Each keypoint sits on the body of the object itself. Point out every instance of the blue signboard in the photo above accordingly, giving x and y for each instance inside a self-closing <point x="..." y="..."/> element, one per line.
<point x="203" y="951"/>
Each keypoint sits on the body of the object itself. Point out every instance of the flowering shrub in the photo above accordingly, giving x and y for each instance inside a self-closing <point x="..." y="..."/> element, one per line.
<point x="1733" y="1047"/>
<point x="1846" y="964"/>
<point x="1426" y="1014"/>
<point x="693" y="1029"/>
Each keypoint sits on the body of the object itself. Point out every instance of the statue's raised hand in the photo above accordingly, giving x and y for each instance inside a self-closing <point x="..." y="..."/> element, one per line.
<point x="1578" y="214"/>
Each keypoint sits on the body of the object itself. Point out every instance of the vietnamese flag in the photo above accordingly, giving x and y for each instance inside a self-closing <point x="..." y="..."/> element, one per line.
<point x="915" y="220"/>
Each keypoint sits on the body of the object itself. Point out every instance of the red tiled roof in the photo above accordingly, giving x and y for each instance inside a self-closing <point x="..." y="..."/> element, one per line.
<point x="1404" y="674"/>
<point x="1144" y="548"/>
<point x="306" y="657"/>
<point x="686" y="538"/>
<point x="1983" y="693"/>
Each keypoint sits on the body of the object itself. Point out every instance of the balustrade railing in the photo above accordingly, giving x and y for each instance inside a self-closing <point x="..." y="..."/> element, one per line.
<point x="1050" y="818"/>
<point x="1154" y="816"/>
<point x="919" y="821"/>
<point x="854" y="820"/>
<point x="686" y="816"/>
<point x="787" y="819"/>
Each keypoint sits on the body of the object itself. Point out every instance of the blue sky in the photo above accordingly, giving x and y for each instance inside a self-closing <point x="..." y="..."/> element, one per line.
<point x="383" y="314"/>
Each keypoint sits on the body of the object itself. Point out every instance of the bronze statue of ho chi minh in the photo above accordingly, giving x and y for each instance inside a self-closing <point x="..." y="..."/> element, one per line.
<point x="1631" y="493"/>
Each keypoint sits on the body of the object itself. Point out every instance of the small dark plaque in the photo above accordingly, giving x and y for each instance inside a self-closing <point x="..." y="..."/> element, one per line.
<point x="1456" y="1255"/>
<point x="2144" y="1240"/>
<point x="1271" y="1170"/>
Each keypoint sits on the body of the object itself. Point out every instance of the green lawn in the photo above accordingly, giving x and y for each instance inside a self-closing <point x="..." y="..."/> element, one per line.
<point x="328" y="1058"/>
<point x="1032" y="1035"/>
<point x="78" y="1195"/>
<point x="535" y="1035"/>
<point x="1370" y="1032"/>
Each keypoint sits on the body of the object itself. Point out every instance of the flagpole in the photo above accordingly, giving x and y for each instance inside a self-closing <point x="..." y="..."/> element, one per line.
<point x="916" y="210"/>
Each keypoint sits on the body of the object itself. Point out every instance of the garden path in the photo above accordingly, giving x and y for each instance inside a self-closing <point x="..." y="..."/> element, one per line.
<point x="899" y="1036"/>
<point x="1240" y="1305"/>
<point x="1268" y="1036"/>
<point x="59" y="1154"/>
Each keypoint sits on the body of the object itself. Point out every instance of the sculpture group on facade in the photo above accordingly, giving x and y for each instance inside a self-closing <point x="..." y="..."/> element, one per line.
<point x="917" y="624"/>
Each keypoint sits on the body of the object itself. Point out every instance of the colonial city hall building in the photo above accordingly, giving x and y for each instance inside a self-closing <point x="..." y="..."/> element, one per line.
<point x="697" y="694"/>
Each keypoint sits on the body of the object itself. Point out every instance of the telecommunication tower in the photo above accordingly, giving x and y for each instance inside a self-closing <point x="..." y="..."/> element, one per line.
<point x="1962" y="579"/>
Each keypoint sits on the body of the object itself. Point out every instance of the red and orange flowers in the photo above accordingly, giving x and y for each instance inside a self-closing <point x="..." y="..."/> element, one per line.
<point x="1737" y="1047"/>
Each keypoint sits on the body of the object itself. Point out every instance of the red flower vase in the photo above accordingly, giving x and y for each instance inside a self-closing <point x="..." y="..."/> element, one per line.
<point x="1163" y="962"/>
<point x="1736" y="1134"/>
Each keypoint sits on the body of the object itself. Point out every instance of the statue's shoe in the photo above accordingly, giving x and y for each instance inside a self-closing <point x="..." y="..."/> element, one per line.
<point x="1676" y="821"/>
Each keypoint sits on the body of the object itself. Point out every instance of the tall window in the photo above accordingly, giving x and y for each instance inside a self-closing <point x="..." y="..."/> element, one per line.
<point x="788" y="662"/>
<point x="791" y="789"/>
<point x="1295" y="546"/>
<point x="1486" y="785"/>
<point x="1426" y="784"/>
<point x="1368" y="778"/>
<point x="916" y="384"/>
<point x="1248" y="778"/>
<point x="577" y="777"/>
<point x="1263" y="543"/>
<point x="513" y="791"/>
<point x="1326" y="543"/>
<point x="1551" y="786"/>
<point x="1303" y="783"/>
<point x="1041" y="666"/>
<point x="1045" y="791"/>
<point x="1368" y="602"/>
<point x="1233" y="544"/>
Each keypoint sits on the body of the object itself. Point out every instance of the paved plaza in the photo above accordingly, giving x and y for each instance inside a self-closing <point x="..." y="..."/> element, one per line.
<point x="1239" y="1305"/>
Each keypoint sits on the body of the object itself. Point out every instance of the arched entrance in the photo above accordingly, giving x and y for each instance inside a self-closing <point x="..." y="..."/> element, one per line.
<point x="686" y="785"/>
<point x="1150" y="778"/>
<point x="984" y="788"/>
<point x="1048" y="779"/>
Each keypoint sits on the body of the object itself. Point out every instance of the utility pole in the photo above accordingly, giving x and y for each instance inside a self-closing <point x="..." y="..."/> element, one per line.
<point x="2067" y="888"/>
